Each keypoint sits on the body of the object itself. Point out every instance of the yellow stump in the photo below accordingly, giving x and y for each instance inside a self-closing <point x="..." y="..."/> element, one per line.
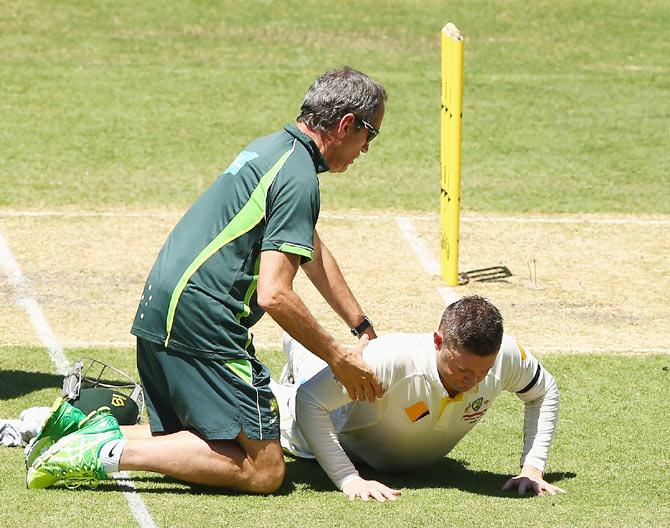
<point x="450" y="150"/>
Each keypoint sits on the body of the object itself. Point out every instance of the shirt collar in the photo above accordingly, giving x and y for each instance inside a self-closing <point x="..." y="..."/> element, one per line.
<point x="320" y="163"/>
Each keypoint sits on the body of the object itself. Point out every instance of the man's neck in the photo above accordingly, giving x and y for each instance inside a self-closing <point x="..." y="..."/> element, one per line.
<point x="319" y="139"/>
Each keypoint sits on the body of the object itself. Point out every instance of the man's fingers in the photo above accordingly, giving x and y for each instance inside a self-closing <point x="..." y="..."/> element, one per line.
<point x="522" y="487"/>
<point x="361" y="393"/>
<point x="553" y="490"/>
<point x="369" y="392"/>
<point x="377" y="495"/>
<point x="391" y="494"/>
<point x="379" y="390"/>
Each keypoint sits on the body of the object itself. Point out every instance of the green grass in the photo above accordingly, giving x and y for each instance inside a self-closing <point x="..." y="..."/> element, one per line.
<point x="120" y="103"/>
<point x="610" y="453"/>
<point x="113" y="104"/>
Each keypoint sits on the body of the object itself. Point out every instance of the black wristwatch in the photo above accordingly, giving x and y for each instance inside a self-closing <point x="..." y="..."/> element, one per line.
<point x="358" y="330"/>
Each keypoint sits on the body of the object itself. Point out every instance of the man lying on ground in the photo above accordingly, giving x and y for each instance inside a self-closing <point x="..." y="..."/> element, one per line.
<point x="436" y="388"/>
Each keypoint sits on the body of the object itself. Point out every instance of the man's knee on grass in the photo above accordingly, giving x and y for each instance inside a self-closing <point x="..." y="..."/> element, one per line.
<point x="266" y="468"/>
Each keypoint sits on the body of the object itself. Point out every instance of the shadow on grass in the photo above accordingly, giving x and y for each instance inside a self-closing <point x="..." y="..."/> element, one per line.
<point x="307" y="474"/>
<point x="17" y="383"/>
<point x="447" y="473"/>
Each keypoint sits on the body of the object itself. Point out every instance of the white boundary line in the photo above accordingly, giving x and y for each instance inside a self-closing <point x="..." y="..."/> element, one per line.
<point x="26" y="301"/>
<point x="532" y="218"/>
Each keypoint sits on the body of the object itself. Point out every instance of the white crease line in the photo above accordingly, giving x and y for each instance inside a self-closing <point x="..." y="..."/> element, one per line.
<point x="449" y="295"/>
<point x="565" y="220"/>
<point x="91" y="214"/>
<point x="605" y="350"/>
<point x="26" y="301"/>
<point x="135" y="502"/>
<point x="465" y="218"/>
<point x="100" y="343"/>
<point x="429" y="264"/>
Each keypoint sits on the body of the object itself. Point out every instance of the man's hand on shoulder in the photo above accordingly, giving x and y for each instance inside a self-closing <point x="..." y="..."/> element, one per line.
<point x="366" y="489"/>
<point x="370" y="332"/>
<point x="531" y="479"/>
<point x="355" y="374"/>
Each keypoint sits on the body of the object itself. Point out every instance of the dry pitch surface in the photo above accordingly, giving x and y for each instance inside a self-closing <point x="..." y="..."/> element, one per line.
<point x="579" y="284"/>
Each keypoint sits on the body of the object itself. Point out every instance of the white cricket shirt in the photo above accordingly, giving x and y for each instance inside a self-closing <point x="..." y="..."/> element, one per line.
<point x="415" y="423"/>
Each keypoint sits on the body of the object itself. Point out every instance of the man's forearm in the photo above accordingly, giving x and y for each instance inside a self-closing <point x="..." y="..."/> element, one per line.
<point x="292" y="315"/>
<point x="314" y="401"/>
<point x="540" y="418"/>
<point x="276" y="296"/>
<point x="325" y="274"/>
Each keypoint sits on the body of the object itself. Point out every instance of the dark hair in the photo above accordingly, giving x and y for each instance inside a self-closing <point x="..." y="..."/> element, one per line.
<point x="472" y="323"/>
<point x="339" y="92"/>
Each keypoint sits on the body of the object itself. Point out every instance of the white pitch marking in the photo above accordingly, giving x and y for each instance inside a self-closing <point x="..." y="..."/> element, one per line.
<point x="135" y="502"/>
<point x="525" y="219"/>
<point x="431" y="265"/>
<point x="565" y="220"/>
<point x="605" y="350"/>
<point x="449" y="295"/>
<point x="26" y="301"/>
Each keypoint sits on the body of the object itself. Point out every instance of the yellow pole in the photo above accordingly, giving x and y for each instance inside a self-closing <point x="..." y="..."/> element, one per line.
<point x="450" y="150"/>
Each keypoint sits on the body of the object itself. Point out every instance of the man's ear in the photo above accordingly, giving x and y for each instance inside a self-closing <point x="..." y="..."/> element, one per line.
<point x="437" y="339"/>
<point x="346" y="122"/>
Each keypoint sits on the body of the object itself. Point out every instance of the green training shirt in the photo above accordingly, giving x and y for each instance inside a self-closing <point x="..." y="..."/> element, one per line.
<point x="200" y="296"/>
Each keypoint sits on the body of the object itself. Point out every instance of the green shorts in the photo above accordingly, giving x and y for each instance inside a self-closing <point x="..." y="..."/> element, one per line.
<point x="217" y="398"/>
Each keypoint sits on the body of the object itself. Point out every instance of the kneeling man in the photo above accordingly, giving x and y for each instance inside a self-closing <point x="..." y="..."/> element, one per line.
<point x="436" y="388"/>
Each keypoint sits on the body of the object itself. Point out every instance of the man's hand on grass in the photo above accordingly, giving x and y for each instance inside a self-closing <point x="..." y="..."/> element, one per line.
<point x="366" y="489"/>
<point x="531" y="479"/>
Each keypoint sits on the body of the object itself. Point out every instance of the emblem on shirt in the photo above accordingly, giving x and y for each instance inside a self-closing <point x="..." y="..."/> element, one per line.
<point x="417" y="411"/>
<point x="475" y="410"/>
<point x="477" y="404"/>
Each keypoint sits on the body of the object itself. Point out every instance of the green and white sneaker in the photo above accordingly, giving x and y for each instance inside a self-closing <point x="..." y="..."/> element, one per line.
<point x="63" y="420"/>
<point x="74" y="459"/>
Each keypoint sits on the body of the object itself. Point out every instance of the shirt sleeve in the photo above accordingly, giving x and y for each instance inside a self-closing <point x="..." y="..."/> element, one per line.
<point x="292" y="208"/>
<point x="320" y="395"/>
<point x="536" y="387"/>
